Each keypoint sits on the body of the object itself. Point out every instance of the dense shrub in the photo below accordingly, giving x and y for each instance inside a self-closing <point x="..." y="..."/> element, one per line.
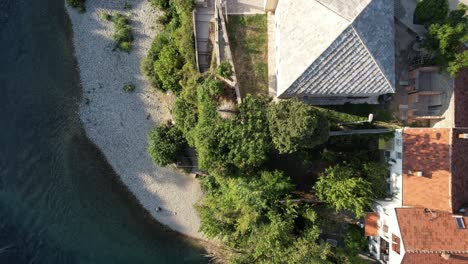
<point x="165" y="143"/>
<point x="341" y="189"/>
<point x="296" y="126"/>
<point x="122" y="33"/>
<point x="176" y="40"/>
<point x="186" y="117"/>
<point x="78" y="4"/>
<point x="255" y="217"/>
<point x="225" y="69"/>
<point x="166" y="68"/>
<point x="429" y="12"/>
<point x="241" y="143"/>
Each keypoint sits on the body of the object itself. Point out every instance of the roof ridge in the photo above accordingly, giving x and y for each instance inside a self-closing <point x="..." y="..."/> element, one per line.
<point x="327" y="7"/>
<point x="372" y="57"/>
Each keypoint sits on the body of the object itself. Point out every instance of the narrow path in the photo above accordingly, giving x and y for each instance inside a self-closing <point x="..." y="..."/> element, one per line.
<point x="203" y="15"/>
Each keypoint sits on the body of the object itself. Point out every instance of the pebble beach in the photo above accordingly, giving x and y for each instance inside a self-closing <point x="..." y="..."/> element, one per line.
<point x="118" y="122"/>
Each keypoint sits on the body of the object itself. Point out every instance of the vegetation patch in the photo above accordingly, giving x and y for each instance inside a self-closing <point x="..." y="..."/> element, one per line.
<point x="250" y="206"/>
<point x="129" y="88"/>
<point x="165" y="143"/>
<point x="446" y="33"/>
<point x="104" y="16"/>
<point x="224" y="69"/>
<point x="78" y="4"/>
<point x="122" y="32"/>
<point x="248" y="38"/>
<point x="170" y="63"/>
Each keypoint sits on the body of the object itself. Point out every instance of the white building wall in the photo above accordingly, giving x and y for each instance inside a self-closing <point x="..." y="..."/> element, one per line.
<point x="386" y="207"/>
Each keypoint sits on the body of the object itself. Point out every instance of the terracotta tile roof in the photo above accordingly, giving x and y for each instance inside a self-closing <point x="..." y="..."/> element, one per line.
<point x="427" y="150"/>
<point x="431" y="232"/>
<point x="461" y="99"/>
<point x="416" y="258"/>
<point x="371" y="228"/>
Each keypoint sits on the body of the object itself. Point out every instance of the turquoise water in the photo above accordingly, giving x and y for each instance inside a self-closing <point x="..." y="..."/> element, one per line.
<point x="60" y="202"/>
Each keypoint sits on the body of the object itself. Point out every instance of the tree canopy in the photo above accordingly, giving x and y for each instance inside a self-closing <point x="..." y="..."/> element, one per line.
<point x="446" y="38"/>
<point x="429" y="12"/>
<point x="296" y="126"/>
<point x="254" y="217"/>
<point x="165" y="143"/>
<point x="339" y="187"/>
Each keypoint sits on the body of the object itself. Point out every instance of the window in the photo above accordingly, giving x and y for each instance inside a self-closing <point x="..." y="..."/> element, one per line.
<point x="460" y="222"/>
<point x="398" y="155"/>
<point x="396" y="244"/>
<point x="398" y="142"/>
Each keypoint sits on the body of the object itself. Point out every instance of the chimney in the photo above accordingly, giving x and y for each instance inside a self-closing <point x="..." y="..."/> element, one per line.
<point x="445" y="256"/>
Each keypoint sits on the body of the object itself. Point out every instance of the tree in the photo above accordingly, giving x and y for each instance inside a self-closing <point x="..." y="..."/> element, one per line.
<point x="446" y="39"/>
<point x="339" y="187"/>
<point x="355" y="241"/>
<point x="253" y="217"/>
<point x="165" y="143"/>
<point x="296" y="126"/>
<point x="241" y="143"/>
<point x="429" y="12"/>
<point x="376" y="173"/>
<point x="460" y="62"/>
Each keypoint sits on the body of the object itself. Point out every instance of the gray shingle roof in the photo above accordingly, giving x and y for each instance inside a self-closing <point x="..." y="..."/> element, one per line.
<point x="359" y="62"/>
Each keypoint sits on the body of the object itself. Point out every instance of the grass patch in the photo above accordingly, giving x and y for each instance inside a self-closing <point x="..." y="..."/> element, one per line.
<point x="249" y="41"/>
<point x="122" y="32"/>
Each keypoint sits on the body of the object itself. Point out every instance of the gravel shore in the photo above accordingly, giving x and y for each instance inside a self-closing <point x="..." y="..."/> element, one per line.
<point x="118" y="122"/>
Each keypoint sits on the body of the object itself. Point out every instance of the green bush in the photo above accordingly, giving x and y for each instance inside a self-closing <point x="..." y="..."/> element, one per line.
<point x="296" y="126"/>
<point x="163" y="73"/>
<point x="429" y="12"/>
<point x="167" y="68"/>
<point x="122" y="32"/>
<point x="225" y="69"/>
<point x="341" y="189"/>
<point x="165" y="143"/>
<point x="78" y="4"/>
<point x="129" y="88"/>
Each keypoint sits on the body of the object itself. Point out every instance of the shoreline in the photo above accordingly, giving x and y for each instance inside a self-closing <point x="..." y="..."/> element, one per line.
<point x="117" y="122"/>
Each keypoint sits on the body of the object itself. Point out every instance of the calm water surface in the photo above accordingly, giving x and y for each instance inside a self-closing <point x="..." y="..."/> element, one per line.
<point x="60" y="201"/>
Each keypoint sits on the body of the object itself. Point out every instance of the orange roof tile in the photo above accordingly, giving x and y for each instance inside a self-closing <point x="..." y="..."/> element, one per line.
<point x="427" y="150"/>
<point x="416" y="258"/>
<point x="431" y="231"/>
<point x="371" y="228"/>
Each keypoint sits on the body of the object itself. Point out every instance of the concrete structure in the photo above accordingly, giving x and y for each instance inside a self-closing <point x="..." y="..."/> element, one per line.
<point x="334" y="51"/>
<point x="435" y="97"/>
